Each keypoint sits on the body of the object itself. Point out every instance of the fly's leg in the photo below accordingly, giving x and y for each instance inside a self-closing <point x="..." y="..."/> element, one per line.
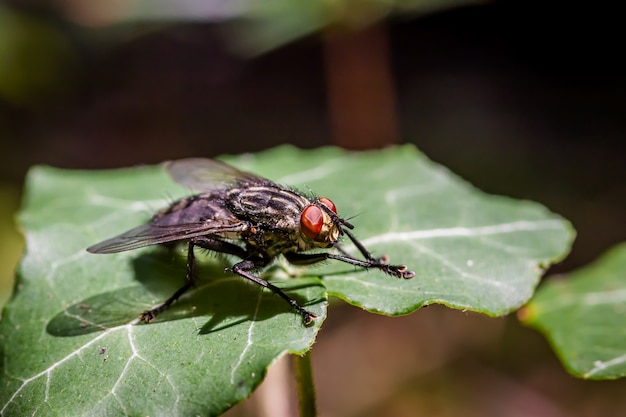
<point x="220" y="246"/>
<point x="312" y="258"/>
<point x="398" y="271"/>
<point x="149" y="315"/>
<point x="382" y="260"/>
<point x="242" y="269"/>
<point x="363" y="250"/>
<point x="205" y="243"/>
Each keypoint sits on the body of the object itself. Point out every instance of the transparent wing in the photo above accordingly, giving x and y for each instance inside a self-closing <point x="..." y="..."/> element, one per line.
<point x="203" y="174"/>
<point x="152" y="234"/>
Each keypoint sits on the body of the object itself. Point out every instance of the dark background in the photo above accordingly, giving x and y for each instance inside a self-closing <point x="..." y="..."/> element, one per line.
<point x="518" y="98"/>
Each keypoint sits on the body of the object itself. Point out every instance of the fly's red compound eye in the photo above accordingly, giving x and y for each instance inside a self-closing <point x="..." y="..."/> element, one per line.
<point x="311" y="221"/>
<point x="329" y="204"/>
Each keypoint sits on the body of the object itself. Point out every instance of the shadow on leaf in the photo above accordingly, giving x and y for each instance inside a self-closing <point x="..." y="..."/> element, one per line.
<point x="101" y="312"/>
<point x="240" y="301"/>
<point x="226" y="299"/>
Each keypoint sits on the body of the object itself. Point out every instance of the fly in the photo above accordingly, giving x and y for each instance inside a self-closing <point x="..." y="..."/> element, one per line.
<point x="252" y="218"/>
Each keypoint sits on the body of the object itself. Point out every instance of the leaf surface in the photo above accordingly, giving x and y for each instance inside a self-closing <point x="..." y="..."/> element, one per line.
<point x="70" y="338"/>
<point x="583" y="316"/>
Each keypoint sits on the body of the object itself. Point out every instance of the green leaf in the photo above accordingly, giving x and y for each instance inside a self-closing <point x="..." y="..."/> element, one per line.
<point x="70" y="340"/>
<point x="583" y="316"/>
<point x="469" y="250"/>
<point x="266" y="25"/>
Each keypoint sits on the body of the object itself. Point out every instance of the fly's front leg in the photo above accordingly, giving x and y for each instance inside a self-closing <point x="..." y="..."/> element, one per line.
<point x="381" y="260"/>
<point x="398" y="271"/>
<point x="311" y="258"/>
<point x="243" y="269"/>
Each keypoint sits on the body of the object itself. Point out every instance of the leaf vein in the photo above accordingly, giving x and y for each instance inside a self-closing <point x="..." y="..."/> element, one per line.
<point x="501" y="228"/>
<point x="48" y="370"/>
<point x="249" y="342"/>
<point x="600" y="366"/>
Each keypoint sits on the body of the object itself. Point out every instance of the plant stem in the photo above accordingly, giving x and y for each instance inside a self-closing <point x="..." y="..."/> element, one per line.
<point x="360" y="86"/>
<point x="305" y="386"/>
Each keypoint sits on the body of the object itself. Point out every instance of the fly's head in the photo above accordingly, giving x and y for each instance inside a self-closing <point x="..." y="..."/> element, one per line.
<point x="320" y="224"/>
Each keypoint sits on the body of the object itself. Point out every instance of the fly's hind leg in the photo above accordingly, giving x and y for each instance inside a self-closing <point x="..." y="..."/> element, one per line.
<point x="149" y="315"/>
<point x="203" y="242"/>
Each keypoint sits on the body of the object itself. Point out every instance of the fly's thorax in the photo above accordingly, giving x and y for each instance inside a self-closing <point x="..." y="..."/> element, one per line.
<point x="269" y="243"/>
<point x="268" y="207"/>
<point x="282" y="218"/>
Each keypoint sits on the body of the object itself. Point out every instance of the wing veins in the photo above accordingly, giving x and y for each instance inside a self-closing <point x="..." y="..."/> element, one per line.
<point x="202" y="174"/>
<point x="151" y="234"/>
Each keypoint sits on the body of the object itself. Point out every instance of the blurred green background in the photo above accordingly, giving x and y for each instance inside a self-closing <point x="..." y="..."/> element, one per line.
<point x="525" y="99"/>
